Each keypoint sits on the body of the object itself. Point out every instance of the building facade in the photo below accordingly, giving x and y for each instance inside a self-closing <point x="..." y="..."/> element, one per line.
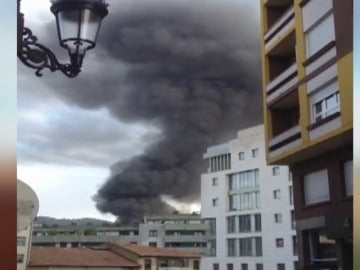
<point x="183" y="232"/>
<point x="249" y="206"/>
<point x="307" y="56"/>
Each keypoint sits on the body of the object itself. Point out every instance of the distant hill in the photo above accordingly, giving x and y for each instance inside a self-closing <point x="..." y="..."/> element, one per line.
<point x="50" y="221"/>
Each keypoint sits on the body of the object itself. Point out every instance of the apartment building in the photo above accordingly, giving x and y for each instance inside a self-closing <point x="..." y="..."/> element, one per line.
<point x="307" y="56"/>
<point x="249" y="206"/>
<point x="183" y="232"/>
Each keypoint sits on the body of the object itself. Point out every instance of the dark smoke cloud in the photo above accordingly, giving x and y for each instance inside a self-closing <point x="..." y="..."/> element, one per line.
<point x="191" y="68"/>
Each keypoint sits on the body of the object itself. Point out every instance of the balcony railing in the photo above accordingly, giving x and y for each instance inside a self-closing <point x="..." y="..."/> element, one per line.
<point x="174" y="268"/>
<point x="285" y="141"/>
<point x="282" y="83"/>
<point x="279" y="28"/>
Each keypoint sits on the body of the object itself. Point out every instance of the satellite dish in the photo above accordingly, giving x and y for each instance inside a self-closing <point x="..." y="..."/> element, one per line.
<point x="27" y="205"/>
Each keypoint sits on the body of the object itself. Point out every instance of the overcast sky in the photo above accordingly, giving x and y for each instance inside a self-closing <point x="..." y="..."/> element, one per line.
<point x="160" y="73"/>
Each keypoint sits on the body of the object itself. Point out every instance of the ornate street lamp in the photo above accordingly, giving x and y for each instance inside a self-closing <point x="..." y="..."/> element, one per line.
<point x="78" y="23"/>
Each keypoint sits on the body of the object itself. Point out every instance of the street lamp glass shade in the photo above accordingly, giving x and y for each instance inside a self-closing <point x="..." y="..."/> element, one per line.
<point x="78" y="23"/>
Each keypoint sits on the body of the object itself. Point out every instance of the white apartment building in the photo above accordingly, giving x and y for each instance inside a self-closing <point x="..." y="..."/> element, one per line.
<point x="250" y="205"/>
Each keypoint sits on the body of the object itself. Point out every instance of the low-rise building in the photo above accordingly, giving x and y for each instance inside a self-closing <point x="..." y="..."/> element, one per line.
<point x="184" y="232"/>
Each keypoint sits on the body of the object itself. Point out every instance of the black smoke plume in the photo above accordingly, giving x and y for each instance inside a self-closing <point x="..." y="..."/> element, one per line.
<point x="192" y="69"/>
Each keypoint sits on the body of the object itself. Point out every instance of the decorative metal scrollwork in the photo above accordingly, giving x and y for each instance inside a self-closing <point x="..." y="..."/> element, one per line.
<point x="37" y="56"/>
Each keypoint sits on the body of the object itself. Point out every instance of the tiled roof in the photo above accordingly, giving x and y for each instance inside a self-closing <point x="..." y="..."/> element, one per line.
<point x="146" y="251"/>
<point x="79" y="257"/>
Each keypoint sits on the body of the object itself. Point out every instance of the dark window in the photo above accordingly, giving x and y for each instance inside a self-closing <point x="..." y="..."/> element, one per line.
<point x="244" y="223"/>
<point x="215" y="266"/>
<point x="153" y="233"/>
<point x="280" y="266"/>
<point x="152" y="244"/>
<point x="279" y="242"/>
<point x="257" y="222"/>
<point x="196" y="265"/>
<point x="20" y="258"/>
<point x="147" y="264"/>
<point x="259" y="266"/>
<point x="21" y="241"/>
<point x="244" y="266"/>
<point x="229" y="266"/>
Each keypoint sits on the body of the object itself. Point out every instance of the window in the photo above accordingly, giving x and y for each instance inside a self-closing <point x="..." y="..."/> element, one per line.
<point x="257" y="218"/>
<point x="21" y="241"/>
<point x="348" y="173"/>
<point x="278" y="218"/>
<point x="215" y="202"/>
<point x="316" y="187"/>
<point x="152" y="244"/>
<point x="241" y="156"/>
<point x="231" y="224"/>
<point x="196" y="265"/>
<point x="280" y="266"/>
<point x="220" y="163"/>
<point x="276" y="194"/>
<point x="215" y="181"/>
<point x="20" y="258"/>
<point x="231" y="247"/>
<point x="244" y="201"/>
<point x="320" y="34"/>
<point x="321" y="248"/>
<point x="153" y="233"/>
<point x="258" y="246"/>
<point x="244" y="180"/>
<point x="275" y="171"/>
<point x="259" y="266"/>
<point x="244" y="266"/>
<point x="147" y="264"/>
<point x="291" y="195"/>
<point x="215" y="266"/>
<point x="255" y="152"/>
<point x="326" y="107"/>
<point x="245" y="223"/>
<point x="245" y="247"/>
<point x="212" y="247"/>
<point x="293" y="222"/>
<point x="294" y="242"/>
<point x="229" y="266"/>
<point x="279" y="242"/>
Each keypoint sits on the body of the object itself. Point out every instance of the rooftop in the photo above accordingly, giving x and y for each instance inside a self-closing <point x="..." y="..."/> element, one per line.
<point x="77" y="257"/>
<point x="146" y="251"/>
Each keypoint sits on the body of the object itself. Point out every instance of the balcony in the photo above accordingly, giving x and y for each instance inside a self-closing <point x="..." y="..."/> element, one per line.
<point x="285" y="141"/>
<point x="184" y="238"/>
<point x="280" y="27"/>
<point x="282" y="84"/>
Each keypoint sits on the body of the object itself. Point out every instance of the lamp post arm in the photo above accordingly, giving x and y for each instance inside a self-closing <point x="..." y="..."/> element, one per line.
<point x="37" y="56"/>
